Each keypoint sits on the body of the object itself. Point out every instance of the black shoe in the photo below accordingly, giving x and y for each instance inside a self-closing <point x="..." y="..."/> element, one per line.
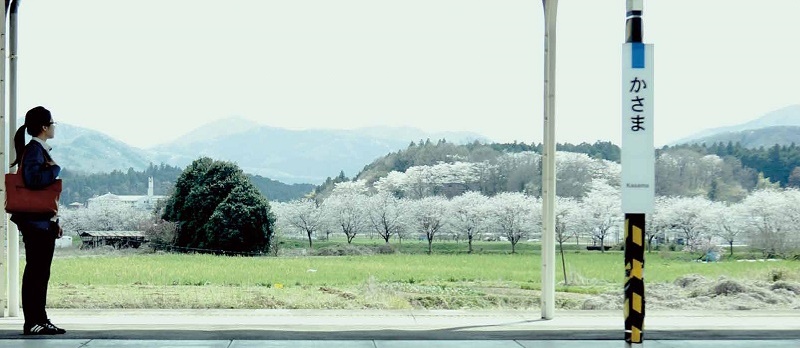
<point x="58" y="329"/>
<point x="39" y="329"/>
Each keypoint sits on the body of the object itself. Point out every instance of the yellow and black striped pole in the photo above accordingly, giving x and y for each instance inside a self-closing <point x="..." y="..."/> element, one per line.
<point x="634" y="277"/>
<point x="638" y="163"/>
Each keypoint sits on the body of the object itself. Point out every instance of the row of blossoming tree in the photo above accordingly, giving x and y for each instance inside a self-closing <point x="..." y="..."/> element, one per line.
<point x="444" y="201"/>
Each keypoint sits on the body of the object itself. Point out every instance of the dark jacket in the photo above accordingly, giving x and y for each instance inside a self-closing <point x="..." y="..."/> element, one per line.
<point x="36" y="174"/>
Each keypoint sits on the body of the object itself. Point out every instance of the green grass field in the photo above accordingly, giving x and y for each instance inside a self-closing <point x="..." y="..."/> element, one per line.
<point x="448" y="279"/>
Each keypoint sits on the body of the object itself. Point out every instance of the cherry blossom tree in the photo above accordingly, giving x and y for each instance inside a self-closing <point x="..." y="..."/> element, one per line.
<point x="346" y="208"/>
<point x="429" y="217"/>
<point x="727" y="222"/>
<point x="773" y="215"/>
<point x="793" y="215"/>
<point x="468" y="214"/>
<point x="513" y="213"/>
<point x="112" y="217"/>
<point x="279" y="209"/>
<point x="458" y="174"/>
<point x="404" y="228"/>
<point x="568" y="220"/>
<point x="574" y="172"/>
<point x="684" y="172"/>
<point x="422" y="181"/>
<point x="608" y="171"/>
<point x="304" y="215"/>
<point x="393" y="183"/>
<point x="384" y="214"/>
<point x="686" y="215"/>
<point x="358" y="187"/>
<point x="518" y="172"/>
<point x="417" y="182"/>
<point x="656" y="224"/>
<point x="603" y="211"/>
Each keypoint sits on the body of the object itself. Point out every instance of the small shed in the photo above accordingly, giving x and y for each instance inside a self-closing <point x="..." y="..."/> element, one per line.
<point x="117" y="239"/>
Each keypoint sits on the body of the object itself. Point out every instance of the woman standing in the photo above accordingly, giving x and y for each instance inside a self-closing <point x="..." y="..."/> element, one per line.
<point x="39" y="231"/>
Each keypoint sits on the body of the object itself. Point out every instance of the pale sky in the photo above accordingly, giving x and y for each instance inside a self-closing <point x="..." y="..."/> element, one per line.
<point x="147" y="72"/>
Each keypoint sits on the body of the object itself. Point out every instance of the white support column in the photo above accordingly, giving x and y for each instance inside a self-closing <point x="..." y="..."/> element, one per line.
<point x="13" y="233"/>
<point x="549" y="163"/>
<point x="4" y="221"/>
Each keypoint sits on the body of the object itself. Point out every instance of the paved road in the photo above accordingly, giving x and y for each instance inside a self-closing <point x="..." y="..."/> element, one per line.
<point x="418" y="329"/>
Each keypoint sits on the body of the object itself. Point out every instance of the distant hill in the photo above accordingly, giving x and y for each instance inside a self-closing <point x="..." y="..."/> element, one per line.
<point x="287" y="156"/>
<point x="295" y="156"/>
<point x="769" y="125"/>
<point x="215" y="129"/>
<point x="85" y="150"/>
<point x="755" y="138"/>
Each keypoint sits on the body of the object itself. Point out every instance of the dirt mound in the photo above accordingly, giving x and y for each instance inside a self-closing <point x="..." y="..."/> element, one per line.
<point x="694" y="292"/>
<point x="690" y="280"/>
<point x="728" y="287"/>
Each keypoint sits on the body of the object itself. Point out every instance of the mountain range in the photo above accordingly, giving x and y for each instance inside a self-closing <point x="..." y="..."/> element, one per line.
<point x="780" y="127"/>
<point x="288" y="156"/>
<point x="310" y="156"/>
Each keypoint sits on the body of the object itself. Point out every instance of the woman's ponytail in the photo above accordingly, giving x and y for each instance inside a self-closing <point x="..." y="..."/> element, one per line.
<point x="19" y="144"/>
<point x="35" y="119"/>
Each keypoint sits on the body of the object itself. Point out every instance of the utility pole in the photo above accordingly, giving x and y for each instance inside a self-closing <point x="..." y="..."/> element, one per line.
<point x="549" y="163"/>
<point x="638" y="164"/>
<point x="13" y="233"/>
<point x="4" y="277"/>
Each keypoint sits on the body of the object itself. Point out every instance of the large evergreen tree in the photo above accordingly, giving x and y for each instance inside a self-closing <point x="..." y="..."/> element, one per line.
<point x="217" y="209"/>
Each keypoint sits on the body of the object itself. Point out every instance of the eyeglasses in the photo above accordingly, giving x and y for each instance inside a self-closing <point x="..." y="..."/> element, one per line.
<point x="52" y="123"/>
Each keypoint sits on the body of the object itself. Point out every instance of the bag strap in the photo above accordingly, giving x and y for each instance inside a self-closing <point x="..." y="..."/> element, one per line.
<point x="20" y="167"/>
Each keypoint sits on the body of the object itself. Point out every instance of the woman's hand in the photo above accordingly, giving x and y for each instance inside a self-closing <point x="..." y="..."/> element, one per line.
<point x="55" y="228"/>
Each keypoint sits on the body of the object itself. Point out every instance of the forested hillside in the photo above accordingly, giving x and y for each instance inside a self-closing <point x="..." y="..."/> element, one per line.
<point x="725" y="172"/>
<point x="428" y="153"/>
<point x="80" y="187"/>
<point x="779" y="163"/>
<point x="719" y="172"/>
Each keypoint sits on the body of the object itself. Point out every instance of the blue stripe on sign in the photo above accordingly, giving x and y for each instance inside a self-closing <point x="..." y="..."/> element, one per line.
<point x="637" y="55"/>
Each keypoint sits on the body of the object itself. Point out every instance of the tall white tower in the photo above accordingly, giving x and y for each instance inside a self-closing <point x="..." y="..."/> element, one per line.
<point x="150" y="187"/>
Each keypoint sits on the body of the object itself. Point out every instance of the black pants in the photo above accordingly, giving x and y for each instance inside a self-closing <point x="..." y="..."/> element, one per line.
<point x="39" y="247"/>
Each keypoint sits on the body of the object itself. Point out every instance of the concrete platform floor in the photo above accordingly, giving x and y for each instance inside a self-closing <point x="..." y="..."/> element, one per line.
<point x="414" y="328"/>
<point x="72" y="343"/>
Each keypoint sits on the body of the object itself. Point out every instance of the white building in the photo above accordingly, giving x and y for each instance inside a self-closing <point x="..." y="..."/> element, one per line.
<point x="147" y="202"/>
<point x="64" y="242"/>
